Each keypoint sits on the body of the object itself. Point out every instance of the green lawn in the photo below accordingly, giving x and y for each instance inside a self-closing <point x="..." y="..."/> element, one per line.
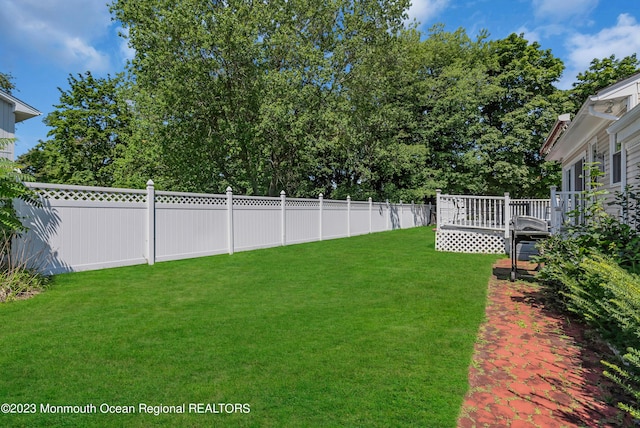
<point x="375" y="330"/>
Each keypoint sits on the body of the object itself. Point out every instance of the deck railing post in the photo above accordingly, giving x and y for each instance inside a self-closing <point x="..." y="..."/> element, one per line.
<point x="438" y="208"/>
<point x="151" y="223"/>
<point x="230" y="220"/>
<point x="553" y="214"/>
<point x="507" y="214"/>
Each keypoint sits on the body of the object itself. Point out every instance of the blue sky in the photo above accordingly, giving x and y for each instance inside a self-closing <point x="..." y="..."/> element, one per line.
<point x="43" y="41"/>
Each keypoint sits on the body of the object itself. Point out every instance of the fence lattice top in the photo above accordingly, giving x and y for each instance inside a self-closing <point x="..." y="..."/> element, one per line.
<point x="191" y="200"/>
<point x="90" y="195"/>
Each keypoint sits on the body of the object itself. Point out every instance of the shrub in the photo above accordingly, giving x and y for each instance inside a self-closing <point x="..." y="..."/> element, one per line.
<point x="602" y="290"/>
<point x="16" y="279"/>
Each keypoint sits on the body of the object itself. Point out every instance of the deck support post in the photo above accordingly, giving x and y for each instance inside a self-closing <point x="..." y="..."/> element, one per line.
<point x="438" y="206"/>
<point x="553" y="206"/>
<point x="507" y="215"/>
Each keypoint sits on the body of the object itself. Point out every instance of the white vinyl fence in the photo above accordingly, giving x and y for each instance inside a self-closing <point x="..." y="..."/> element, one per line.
<point x="85" y="228"/>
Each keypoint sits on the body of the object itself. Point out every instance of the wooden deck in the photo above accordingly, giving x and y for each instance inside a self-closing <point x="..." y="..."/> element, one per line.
<point x="481" y="224"/>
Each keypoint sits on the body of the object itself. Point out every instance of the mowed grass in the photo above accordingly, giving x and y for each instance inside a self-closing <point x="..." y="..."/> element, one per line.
<point x="375" y="331"/>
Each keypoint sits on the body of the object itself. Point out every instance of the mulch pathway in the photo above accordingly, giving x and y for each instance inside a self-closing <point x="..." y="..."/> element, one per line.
<point x="534" y="367"/>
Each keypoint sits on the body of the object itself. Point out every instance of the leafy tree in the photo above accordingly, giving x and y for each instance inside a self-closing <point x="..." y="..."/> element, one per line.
<point x="602" y="73"/>
<point x="256" y="96"/>
<point x="454" y="83"/>
<point x="90" y="126"/>
<point x="11" y="187"/>
<point x="516" y="119"/>
<point x="6" y="82"/>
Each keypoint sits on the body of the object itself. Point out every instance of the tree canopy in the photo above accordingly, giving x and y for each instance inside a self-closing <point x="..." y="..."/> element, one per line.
<point x="6" y="82"/>
<point x="88" y="129"/>
<point x="341" y="98"/>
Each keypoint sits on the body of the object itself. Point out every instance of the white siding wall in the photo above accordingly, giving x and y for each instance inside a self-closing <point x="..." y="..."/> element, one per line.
<point x="633" y="163"/>
<point x="7" y="127"/>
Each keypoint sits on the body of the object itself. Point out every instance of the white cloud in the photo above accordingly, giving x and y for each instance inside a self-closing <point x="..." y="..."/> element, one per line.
<point x="126" y="51"/>
<point x="621" y="40"/>
<point x="561" y="10"/>
<point x="64" y="32"/>
<point x="424" y="10"/>
<point x="530" y="35"/>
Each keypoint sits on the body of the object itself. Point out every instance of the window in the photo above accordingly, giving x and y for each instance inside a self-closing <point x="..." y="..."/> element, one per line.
<point x="578" y="175"/>
<point x="616" y="161"/>
<point x="573" y="177"/>
<point x="596" y="158"/>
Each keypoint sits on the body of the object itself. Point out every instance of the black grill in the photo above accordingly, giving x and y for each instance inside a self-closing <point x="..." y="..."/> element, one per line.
<point x="525" y="228"/>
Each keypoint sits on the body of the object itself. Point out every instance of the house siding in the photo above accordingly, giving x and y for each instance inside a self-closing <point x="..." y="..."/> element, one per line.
<point x="633" y="163"/>
<point x="7" y="127"/>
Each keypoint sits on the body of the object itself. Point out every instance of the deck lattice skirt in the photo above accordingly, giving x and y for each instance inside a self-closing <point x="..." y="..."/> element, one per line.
<point x="470" y="241"/>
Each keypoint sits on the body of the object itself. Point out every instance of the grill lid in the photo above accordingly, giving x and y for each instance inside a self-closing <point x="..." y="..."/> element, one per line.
<point x="528" y="223"/>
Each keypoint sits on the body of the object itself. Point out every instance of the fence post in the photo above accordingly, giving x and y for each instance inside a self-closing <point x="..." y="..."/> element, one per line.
<point x="400" y="214"/>
<point x="438" y="208"/>
<point x="230" y="219"/>
<point x="388" y="215"/>
<point x="348" y="216"/>
<point x="320" y="199"/>
<point x="413" y="214"/>
<point x="283" y="220"/>
<point x="151" y="223"/>
<point x="553" y="203"/>
<point x="370" y="214"/>
<point x="507" y="214"/>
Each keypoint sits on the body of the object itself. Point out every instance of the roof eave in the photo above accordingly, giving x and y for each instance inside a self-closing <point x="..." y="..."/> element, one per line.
<point x="21" y="110"/>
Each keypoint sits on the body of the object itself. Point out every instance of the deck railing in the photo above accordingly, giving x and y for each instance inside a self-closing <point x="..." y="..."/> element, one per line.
<point x="487" y="212"/>
<point x="563" y="203"/>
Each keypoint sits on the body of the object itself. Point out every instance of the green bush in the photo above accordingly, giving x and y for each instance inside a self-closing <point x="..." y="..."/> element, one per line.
<point x="16" y="279"/>
<point x="602" y="290"/>
<point x="628" y="377"/>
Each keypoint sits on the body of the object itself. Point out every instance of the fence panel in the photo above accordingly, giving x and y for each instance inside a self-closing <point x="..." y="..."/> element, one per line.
<point x="256" y="222"/>
<point x="189" y="225"/>
<point x="359" y="221"/>
<point x="82" y="228"/>
<point x="379" y="217"/>
<point x="302" y="218"/>
<point x="335" y="223"/>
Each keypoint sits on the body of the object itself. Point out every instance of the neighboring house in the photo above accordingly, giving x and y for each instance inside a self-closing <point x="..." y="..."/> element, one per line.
<point x="606" y="130"/>
<point x="12" y="111"/>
